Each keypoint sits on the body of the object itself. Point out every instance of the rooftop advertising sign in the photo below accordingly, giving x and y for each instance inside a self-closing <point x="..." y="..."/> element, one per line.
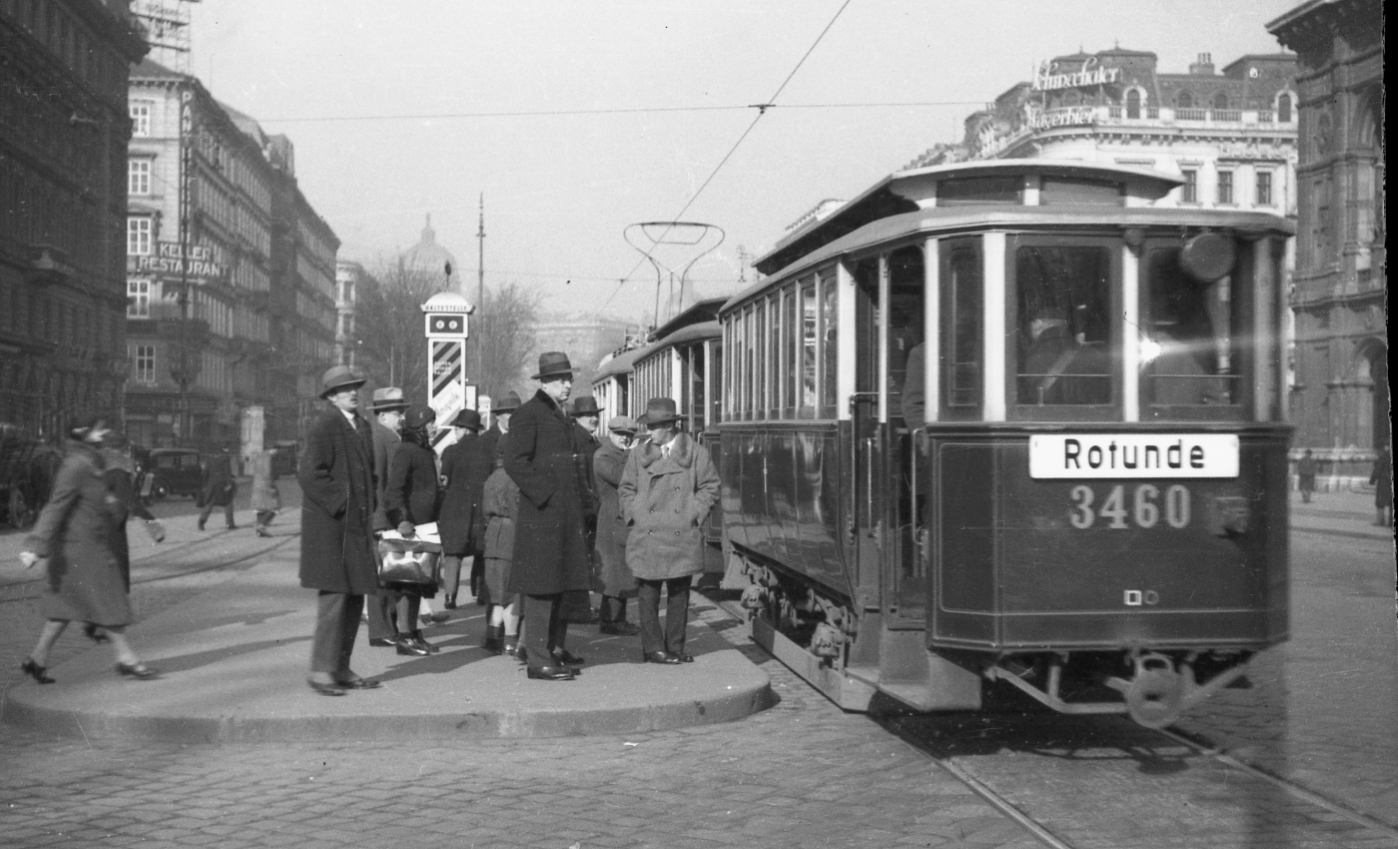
<point x="1089" y="75"/>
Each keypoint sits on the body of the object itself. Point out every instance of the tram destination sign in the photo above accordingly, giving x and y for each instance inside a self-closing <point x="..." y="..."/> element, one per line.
<point x="1133" y="455"/>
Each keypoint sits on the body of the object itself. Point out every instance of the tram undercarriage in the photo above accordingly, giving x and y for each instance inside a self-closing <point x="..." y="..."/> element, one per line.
<point x="854" y="659"/>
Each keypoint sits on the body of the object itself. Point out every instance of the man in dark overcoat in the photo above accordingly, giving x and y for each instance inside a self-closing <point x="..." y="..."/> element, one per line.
<point x="577" y="606"/>
<point x="461" y="522"/>
<point x="217" y="488"/>
<point x="337" y="543"/>
<point x="500" y="415"/>
<point x="551" y="553"/>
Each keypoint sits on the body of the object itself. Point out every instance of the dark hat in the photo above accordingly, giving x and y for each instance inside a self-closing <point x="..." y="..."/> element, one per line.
<point x="586" y="405"/>
<point x="467" y="418"/>
<point x="507" y="404"/>
<point x="553" y="364"/>
<point x="341" y="377"/>
<point x="659" y="411"/>
<point x="388" y="398"/>
<point x="418" y="416"/>
<point x="623" y="424"/>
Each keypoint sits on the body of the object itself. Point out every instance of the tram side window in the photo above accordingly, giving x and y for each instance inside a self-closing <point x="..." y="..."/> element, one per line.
<point x="716" y="407"/>
<point x="791" y="337"/>
<point x="1063" y="304"/>
<point x="1187" y="354"/>
<point x="962" y="317"/>
<point x="748" y="365"/>
<point x="760" y="346"/>
<point x="906" y="280"/>
<point x="809" y="327"/>
<point x="697" y="407"/>
<point x="829" y="322"/>
<point x="774" y="355"/>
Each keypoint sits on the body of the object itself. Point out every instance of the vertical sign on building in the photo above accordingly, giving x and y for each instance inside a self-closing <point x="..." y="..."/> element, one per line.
<point x="449" y="391"/>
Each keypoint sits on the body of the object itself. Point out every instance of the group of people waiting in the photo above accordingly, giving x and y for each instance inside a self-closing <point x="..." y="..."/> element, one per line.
<point x="537" y="512"/>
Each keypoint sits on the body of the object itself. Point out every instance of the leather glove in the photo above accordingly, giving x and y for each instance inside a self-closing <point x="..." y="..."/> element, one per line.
<point x="406" y="529"/>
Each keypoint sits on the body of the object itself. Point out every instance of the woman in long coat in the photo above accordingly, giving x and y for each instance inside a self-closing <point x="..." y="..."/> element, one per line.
<point x="666" y="492"/>
<point x="618" y="584"/>
<point x="500" y="501"/>
<point x="412" y="497"/>
<point x="266" y="499"/>
<point x="74" y="535"/>
<point x="465" y="466"/>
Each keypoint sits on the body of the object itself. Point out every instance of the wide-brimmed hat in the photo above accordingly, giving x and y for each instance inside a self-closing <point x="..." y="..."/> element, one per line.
<point x="340" y="377"/>
<point x="468" y="419"/>
<point x="388" y="398"/>
<point x="418" y="416"/>
<point x="553" y="364"/>
<point x="507" y="404"/>
<point x="586" y="405"/>
<point x="623" y="424"/>
<point x="659" y="411"/>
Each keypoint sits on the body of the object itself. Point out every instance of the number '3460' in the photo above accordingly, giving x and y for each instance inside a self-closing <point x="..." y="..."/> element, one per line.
<point x="1144" y="507"/>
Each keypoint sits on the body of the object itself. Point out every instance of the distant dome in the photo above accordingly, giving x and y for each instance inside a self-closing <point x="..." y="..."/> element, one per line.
<point x="432" y="257"/>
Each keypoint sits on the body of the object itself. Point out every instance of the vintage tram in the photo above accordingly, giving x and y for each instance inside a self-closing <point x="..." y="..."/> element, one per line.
<point x="1013" y="421"/>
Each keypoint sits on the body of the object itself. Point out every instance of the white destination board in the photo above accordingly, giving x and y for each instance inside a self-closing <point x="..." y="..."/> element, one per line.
<point x="1133" y="455"/>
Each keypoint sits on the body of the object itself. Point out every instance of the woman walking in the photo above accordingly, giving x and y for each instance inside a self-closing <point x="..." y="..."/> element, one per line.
<point x="266" y="499"/>
<point x="412" y="498"/>
<point x="73" y="537"/>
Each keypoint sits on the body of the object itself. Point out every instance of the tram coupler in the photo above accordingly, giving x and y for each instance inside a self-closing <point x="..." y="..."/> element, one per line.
<point x="1155" y="694"/>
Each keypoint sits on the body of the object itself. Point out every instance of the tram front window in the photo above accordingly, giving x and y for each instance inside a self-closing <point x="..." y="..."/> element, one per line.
<point x="1186" y="353"/>
<point x="1064" y="350"/>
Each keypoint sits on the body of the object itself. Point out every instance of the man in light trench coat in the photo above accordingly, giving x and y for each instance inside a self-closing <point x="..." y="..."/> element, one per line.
<point x="667" y="489"/>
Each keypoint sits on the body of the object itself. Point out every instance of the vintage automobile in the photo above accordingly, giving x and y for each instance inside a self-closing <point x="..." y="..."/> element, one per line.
<point x="171" y="471"/>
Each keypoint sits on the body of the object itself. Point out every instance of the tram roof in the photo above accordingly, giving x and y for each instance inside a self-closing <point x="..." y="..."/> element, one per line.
<point x="689" y="333"/>
<point x="905" y="191"/>
<point x="622" y="363"/>
<point x="705" y="310"/>
<point x="967" y="218"/>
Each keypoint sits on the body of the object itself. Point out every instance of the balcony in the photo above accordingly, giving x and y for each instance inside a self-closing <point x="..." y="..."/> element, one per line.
<point x="1066" y="116"/>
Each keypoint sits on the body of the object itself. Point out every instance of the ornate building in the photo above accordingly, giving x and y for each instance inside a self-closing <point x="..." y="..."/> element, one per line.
<point x="1340" y="403"/>
<point x="229" y="273"/>
<point x="1231" y="135"/>
<point x="63" y="134"/>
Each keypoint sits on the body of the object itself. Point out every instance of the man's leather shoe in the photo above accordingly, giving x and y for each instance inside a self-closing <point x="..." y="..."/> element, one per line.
<point x="382" y="642"/>
<point x="660" y="657"/>
<point x="423" y="644"/>
<point x="409" y="646"/>
<point x="550" y="673"/>
<point x="565" y="657"/>
<point x="326" y="689"/>
<point x="360" y="684"/>
<point x="620" y="629"/>
<point x="684" y="657"/>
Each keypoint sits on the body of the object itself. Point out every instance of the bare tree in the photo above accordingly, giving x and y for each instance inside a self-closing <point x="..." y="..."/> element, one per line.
<point x="504" y="326"/>
<point x="392" y="347"/>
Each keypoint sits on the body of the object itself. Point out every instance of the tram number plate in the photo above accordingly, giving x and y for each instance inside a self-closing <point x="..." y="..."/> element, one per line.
<point x="1119" y="507"/>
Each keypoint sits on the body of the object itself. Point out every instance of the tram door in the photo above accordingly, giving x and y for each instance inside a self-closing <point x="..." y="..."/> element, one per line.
<point x="889" y="326"/>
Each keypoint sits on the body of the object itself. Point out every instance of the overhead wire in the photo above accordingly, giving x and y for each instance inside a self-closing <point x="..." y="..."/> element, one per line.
<point x="640" y="110"/>
<point x="761" y="111"/>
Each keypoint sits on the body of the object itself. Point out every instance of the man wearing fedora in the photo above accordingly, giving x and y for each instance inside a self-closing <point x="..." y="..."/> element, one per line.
<point x="577" y="606"/>
<point x="500" y="414"/>
<point x="667" y="489"/>
<point x="337" y="543"/>
<point x="462" y="520"/>
<point x="551" y="553"/>
<point x="387" y="407"/>
<point x="618" y="584"/>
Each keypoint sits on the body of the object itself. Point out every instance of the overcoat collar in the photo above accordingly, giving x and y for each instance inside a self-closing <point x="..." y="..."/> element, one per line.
<point x="355" y="428"/>
<point x="681" y="453"/>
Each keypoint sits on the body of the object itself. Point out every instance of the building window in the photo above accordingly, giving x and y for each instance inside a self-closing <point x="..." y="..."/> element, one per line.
<point x="144" y="366"/>
<point x="138" y="299"/>
<point x="138" y="176"/>
<point x="1189" y="192"/>
<point x="1284" y="108"/>
<point x="1133" y="103"/>
<point x="1221" y="100"/>
<point x="139" y="234"/>
<point x="1225" y="187"/>
<point x="1264" y="188"/>
<point x="140" y="111"/>
<point x="1184" y="101"/>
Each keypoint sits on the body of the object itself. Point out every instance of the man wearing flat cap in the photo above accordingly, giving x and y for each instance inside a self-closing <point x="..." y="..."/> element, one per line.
<point x="551" y="552"/>
<point x="337" y="544"/>
<point x="462" y="520"/>
<point x="618" y="584"/>
<point x="387" y="407"/>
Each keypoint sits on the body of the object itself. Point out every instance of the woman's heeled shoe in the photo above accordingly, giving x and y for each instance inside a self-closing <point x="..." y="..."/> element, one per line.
<point x="35" y="671"/>
<point x="136" y="670"/>
<point x="97" y="635"/>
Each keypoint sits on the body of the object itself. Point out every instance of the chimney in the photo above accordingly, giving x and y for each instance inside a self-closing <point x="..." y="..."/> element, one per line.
<point x="1204" y="67"/>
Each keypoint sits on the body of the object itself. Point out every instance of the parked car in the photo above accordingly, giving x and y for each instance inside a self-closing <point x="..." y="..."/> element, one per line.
<point x="173" y="471"/>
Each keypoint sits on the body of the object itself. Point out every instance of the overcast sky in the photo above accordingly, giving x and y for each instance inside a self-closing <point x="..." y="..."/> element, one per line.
<point x="401" y="108"/>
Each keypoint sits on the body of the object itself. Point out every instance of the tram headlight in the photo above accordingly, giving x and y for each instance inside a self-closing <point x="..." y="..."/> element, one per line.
<point x="1150" y="349"/>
